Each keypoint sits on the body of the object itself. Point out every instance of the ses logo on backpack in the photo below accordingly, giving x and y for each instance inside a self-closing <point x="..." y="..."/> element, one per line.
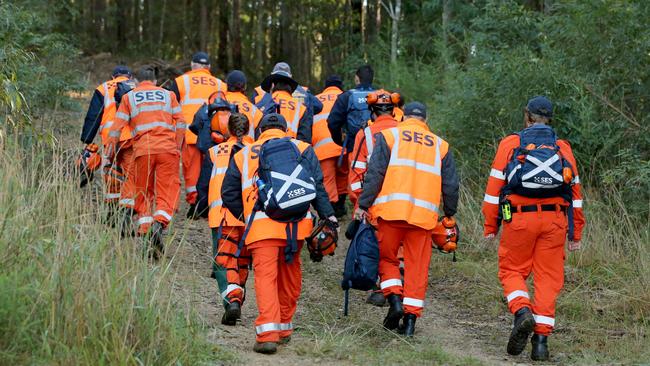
<point x="537" y="168"/>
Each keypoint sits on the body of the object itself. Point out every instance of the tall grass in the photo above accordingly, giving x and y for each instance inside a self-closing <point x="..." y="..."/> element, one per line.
<point x="71" y="291"/>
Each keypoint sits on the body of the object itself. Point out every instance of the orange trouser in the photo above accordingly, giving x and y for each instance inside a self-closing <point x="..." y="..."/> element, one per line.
<point x="533" y="242"/>
<point x="417" y="255"/>
<point x="156" y="181"/>
<point x="342" y="175"/>
<point x="192" y="159"/>
<point x="277" y="288"/>
<point x="328" y="166"/>
<point x="122" y="190"/>
<point x="236" y="269"/>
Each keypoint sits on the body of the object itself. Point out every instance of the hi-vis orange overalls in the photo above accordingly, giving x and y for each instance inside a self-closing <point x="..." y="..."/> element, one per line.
<point x="247" y="108"/>
<point x="122" y="188"/>
<point x="277" y="283"/>
<point x="227" y="230"/>
<point x="407" y="209"/>
<point x="326" y="149"/>
<point x="533" y="242"/>
<point x="194" y="87"/>
<point x="363" y="146"/>
<point x="155" y="117"/>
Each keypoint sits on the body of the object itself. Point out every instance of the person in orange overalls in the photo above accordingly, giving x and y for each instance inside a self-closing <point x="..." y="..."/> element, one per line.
<point x="192" y="90"/>
<point x="533" y="238"/>
<point x="277" y="282"/>
<point x="230" y="272"/>
<point x="326" y="149"/>
<point x="155" y="117"/>
<point x="410" y="171"/>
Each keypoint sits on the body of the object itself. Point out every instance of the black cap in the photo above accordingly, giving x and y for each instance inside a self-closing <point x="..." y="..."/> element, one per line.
<point x="121" y="70"/>
<point x="237" y="79"/>
<point x="415" y="109"/>
<point x="201" y="58"/>
<point x="540" y="105"/>
<point x="273" y="120"/>
<point x="334" y="80"/>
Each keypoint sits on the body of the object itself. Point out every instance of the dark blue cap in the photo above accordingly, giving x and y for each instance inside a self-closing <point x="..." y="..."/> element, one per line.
<point x="540" y="105"/>
<point x="415" y="109"/>
<point x="201" y="58"/>
<point x="236" y="78"/>
<point x="121" y="70"/>
<point x="273" y="120"/>
<point x="334" y="80"/>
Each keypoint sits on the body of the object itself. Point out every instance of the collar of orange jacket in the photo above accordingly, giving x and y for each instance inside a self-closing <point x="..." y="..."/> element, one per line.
<point x="120" y="78"/>
<point x="273" y="133"/>
<point x="332" y="89"/>
<point x="384" y="119"/>
<point x="199" y="71"/>
<point x="146" y="83"/>
<point x="245" y="139"/>
<point x="281" y="92"/>
<point x="414" y="122"/>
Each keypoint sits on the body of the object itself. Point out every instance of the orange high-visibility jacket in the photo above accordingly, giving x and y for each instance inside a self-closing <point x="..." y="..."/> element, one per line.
<point x="321" y="137"/>
<point x="155" y="117"/>
<point x="363" y="145"/>
<point x="291" y="109"/>
<point x="263" y="227"/>
<point x="107" y="89"/>
<point x="412" y="186"/>
<point x="220" y="157"/>
<point x="497" y="180"/>
<point x="194" y="88"/>
<point x="246" y="107"/>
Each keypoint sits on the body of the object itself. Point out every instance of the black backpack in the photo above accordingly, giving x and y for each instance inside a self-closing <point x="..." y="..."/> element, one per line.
<point x="361" y="263"/>
<point x="286" y="188"/>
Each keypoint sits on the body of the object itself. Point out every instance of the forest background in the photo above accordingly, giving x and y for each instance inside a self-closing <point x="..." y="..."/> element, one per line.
<point x="474" y="63"/>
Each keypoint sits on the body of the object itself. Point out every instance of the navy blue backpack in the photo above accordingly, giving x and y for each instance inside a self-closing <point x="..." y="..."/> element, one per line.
<point x="361" y="263"/>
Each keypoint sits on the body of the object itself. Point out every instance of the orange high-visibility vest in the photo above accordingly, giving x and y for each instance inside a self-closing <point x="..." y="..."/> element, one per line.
<point x="155" y="117"/>
<point x="244" y="106"/>
<point x="412" y="185"/>
<point x="195" y="87"/>
<point x="324" y="146"/>
<point x="107" y="89"/>
<point x="291" y="109"/>
<point x="262" y="226"/>
<point x="220" y="157"/>
<point x="364" y="144"/>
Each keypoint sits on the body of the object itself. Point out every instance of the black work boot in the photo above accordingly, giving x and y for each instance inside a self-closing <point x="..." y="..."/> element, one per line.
<point x="127" y="228"/>
<point x="408" y="325"/>
<point x="155" y="240"/>
<point x="376" y="297"/>
<point x="232" y="313"/>
<point x="266" y="348"/>
<point x="191" y="213"/>
<point x="395" y="312"/>
<point x="540" y="347"/>
<point x="339" y="207"/>
<point x="523" y="326"/>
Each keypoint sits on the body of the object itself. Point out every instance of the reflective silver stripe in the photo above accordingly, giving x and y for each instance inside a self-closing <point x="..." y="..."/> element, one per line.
<point x="181" y="126"/>
<point x="216" y="203"/>
<point x="231" y="287"/>
<point x="217" y="171"/>
<point x="491" y="199"/>
<point x="144" y="220"/>
<point x="320" y="117"/>
<point x="296" y="118"/>
<point x="107" y="99"/>
<point x="286" y="326"/>
<point x="163" y="214"/>
<point x="149" y="108"/>
<point x="407" y="197"/>
<point x="577" y="203"/>
<point x="114" y="134"/>
<point x="413" y="302"/>
<point x="127" y="201"/>
<point x="122" y="115"/>
<point x="176" y="110"/>
<point x="358" y="165"/>
<point x="517" y="293"/>
<point x="391" y="282"/>
<point x="576" y="180"/>
<point x="356" y="185"/>
<point x="324" y="141"/>
<point x="186" y="98"/>
<point x="106" y="125"/>
<point x="267" y="327"/>
<point x="152" y="125"/>
<point x="370" y="146"/>
<point x="190" y="189"/>
<point x="246" y="182"/>
<point x="546" y="320"/>
<point x="251" y="125"/>
<point x="495" y="173"/>
<point x="395" y="160"/>
<point x="110" y="196"/>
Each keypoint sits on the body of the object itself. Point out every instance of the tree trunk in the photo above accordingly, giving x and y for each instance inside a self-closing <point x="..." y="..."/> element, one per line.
<point x="236" y="36"/>
<point x="222" y="50"/>
<point x="396" y="13"/>
<point x="204" y="28"/>
<point x="162" y="24"/>
<point x="259" y="37"/>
